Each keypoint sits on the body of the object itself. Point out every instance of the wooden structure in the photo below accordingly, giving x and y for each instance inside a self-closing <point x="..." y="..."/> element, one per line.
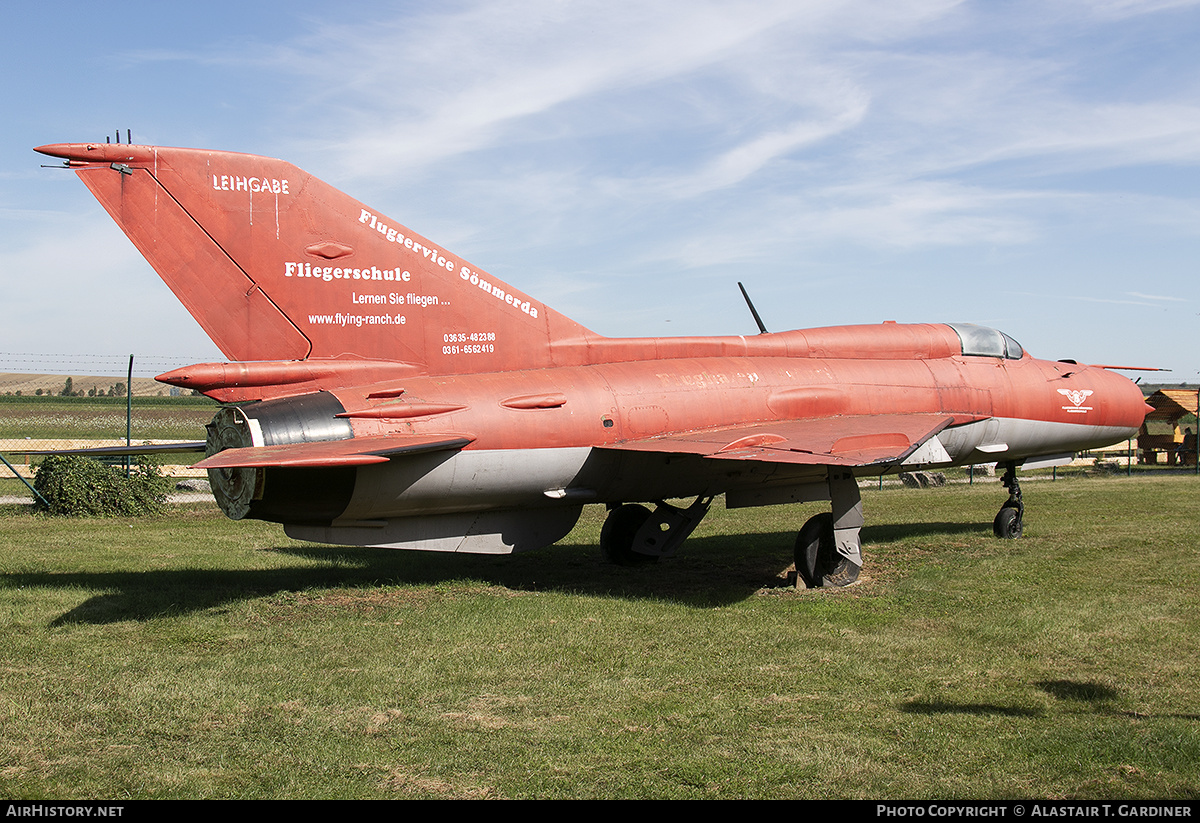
<point x="1161" y="431"/>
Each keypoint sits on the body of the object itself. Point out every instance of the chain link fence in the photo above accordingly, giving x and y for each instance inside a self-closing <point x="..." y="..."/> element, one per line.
<point x="51" y="412"/>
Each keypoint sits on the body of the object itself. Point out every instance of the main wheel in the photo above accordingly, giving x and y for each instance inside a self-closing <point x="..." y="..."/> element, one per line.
<point x="1007" y="524"/>
<point x="816" y="552"/>
<point x="617" y="534"/>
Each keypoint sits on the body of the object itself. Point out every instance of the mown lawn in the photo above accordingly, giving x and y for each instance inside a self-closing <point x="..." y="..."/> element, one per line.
<point x="190" y="656"/>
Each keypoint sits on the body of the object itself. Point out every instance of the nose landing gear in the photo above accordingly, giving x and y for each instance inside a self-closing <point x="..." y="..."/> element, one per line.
<point x="1007" y="524"/>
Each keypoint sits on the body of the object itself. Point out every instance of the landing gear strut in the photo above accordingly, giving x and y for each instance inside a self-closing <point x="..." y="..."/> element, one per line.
<point x="633" y="535"/>
<point x="1007" y="524"/>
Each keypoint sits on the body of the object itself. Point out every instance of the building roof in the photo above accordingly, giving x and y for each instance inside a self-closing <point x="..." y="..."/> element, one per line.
<point x="1172" y="404"/>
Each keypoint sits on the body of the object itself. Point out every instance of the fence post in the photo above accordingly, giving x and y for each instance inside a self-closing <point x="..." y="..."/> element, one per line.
<point x="128" y="412"/>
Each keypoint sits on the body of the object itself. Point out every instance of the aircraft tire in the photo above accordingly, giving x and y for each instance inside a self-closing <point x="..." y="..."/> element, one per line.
<point x="618" y="531"/>
<point x="1008" y="525"/>
<point x="815" y="549"/>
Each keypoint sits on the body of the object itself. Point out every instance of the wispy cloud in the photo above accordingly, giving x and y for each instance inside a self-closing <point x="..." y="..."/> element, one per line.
<point x="1129" y="8"/>
<point x="1158" y="297"/>
<point x="447" y="85"/>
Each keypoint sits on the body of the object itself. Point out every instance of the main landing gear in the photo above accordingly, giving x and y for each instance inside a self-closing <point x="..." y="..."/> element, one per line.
<point x="1007" y="524"/>
<point x="828" y="551"/>
<point x="633" y="535"/>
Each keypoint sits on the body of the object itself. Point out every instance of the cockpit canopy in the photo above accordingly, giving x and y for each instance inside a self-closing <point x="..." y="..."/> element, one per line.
<point x="981" y="341"/>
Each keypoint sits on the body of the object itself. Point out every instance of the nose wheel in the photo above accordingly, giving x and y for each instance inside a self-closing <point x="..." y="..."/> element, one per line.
<point x="1008" y="524"/>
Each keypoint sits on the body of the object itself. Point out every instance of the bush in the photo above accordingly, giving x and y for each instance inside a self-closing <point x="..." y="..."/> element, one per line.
<point x="75" y="485"/>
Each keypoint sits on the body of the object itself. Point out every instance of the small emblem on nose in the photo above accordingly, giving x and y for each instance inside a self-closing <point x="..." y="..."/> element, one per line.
<point x="1077" y="399"/>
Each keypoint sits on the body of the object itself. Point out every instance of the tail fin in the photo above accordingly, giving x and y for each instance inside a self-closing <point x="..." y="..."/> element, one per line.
<point x="277" y="265"/>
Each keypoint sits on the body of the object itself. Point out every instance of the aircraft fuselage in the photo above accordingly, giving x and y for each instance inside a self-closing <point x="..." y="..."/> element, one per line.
<point x="547" y="447"/>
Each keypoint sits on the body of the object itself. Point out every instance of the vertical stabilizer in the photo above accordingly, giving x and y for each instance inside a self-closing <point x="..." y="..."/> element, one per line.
<point x="277" y="265"/>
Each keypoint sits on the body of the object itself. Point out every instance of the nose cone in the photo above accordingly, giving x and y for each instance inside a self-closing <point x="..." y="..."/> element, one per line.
<point x="1126" y="406"/>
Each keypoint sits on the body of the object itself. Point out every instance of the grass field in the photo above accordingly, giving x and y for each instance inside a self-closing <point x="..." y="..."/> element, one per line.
<point x="190" y="656"/>
<point x="170" y="418"/>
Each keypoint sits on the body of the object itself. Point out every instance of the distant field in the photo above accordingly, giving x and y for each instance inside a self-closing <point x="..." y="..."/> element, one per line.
<point x="191" y="656"/>
<point x="171" y="418"/>
<point x="28" y="384"/>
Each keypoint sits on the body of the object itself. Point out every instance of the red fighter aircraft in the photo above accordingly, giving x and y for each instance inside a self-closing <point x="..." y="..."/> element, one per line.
<point x="383" y="391"/>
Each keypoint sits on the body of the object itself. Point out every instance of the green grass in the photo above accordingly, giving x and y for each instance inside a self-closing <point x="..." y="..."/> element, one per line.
<point x="189" y="656"/>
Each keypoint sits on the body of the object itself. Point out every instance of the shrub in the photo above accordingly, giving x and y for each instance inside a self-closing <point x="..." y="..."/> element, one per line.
<point x="75" y="485"/>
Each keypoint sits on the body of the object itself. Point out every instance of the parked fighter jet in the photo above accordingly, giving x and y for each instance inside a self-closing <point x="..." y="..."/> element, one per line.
<point x="383" y="391"/>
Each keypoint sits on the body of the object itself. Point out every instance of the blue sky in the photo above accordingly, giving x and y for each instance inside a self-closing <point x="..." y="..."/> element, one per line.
<point x="1033" y="166"/>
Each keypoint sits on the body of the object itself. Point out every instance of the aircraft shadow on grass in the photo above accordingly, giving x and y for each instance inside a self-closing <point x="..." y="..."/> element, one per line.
<point x="932" y="707"/>
<point x="1087" y="695"/>
<point x="712" y="571"/>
